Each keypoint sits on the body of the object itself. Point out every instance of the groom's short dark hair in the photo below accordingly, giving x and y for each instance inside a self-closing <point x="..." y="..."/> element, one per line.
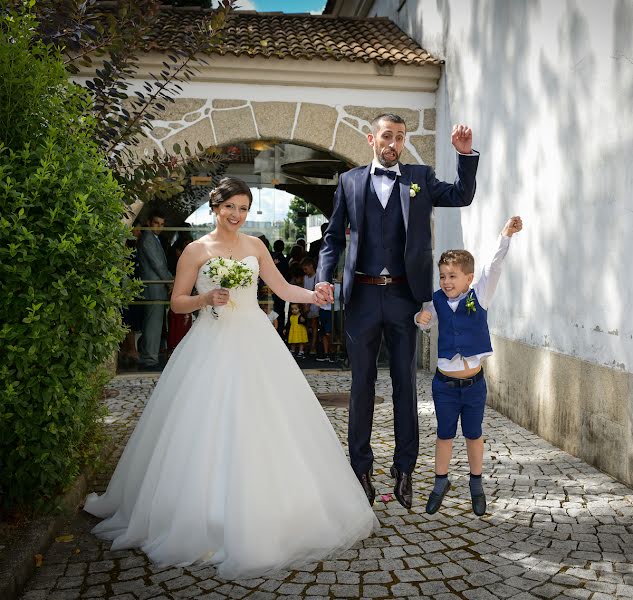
<point x="391" y="117"/>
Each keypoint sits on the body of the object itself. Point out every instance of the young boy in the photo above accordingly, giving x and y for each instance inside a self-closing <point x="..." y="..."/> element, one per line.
<point x="459" y="387"/>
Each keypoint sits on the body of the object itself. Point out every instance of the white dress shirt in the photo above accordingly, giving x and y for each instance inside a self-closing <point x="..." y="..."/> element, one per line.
<point x="484" y="289"/>
<point x="383" y="185"/>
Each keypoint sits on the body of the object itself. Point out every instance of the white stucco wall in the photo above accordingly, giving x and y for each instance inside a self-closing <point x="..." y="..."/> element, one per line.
<point x="548" y="90"/>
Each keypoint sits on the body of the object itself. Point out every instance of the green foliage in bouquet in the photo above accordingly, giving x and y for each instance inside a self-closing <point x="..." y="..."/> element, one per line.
<point x="64" y="269"/>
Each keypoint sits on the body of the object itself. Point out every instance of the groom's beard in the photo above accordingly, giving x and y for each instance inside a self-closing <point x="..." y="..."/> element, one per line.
<point x="388" y="163"/>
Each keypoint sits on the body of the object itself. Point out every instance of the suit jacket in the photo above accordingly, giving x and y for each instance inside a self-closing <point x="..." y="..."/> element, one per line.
<point x="153" y="265"/>
<point x="349" y="209"/>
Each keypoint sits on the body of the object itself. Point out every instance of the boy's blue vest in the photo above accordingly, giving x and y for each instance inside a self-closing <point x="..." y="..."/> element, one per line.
<point x="384" y="236"/>
<point x="460" y="332"/>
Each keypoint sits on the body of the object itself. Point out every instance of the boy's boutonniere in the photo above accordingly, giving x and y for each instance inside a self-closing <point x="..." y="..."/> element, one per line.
<point x="470" y="304"/>
<point x="414" y="189"/>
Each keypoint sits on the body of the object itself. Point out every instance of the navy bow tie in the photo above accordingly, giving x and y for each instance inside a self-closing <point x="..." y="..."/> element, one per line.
<point x="386" y="173"/>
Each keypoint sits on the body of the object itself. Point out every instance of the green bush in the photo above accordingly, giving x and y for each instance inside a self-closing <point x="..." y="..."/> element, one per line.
<point x="64" y="269"/>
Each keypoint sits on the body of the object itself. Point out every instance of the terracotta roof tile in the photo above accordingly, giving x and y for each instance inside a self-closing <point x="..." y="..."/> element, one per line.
<point x="299" y="36"/>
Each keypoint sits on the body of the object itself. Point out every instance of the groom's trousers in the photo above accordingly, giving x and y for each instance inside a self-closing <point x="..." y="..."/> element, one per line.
<point x="372" y="311"/>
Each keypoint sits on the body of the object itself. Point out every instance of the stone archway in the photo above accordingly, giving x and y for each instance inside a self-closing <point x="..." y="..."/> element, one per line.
<point x="338" y="129"/>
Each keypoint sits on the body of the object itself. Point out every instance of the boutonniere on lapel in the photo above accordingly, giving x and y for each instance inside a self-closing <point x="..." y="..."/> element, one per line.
<point x="414" y="189"/>
<point x="470" y="303"/>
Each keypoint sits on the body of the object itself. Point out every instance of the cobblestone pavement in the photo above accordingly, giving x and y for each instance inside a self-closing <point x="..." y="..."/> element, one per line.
<point x="556" y="527"/>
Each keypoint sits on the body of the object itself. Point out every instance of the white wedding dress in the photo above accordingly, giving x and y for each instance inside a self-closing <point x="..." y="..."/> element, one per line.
<point x="233" y="461"/>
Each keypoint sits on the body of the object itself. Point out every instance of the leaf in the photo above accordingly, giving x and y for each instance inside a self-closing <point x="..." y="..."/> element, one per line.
<point x="38" y="560"/>
<point x="65" y="538"/>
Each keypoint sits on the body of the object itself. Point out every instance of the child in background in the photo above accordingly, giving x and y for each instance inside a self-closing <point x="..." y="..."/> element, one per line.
<point x="459" y="387"/>
<point x="311" y="311"/>
<point x="297" y="332"/>
<point x="328" y="314"/>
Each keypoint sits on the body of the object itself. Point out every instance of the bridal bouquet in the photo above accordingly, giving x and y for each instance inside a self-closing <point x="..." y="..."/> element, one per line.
<point x="228" y="273"/>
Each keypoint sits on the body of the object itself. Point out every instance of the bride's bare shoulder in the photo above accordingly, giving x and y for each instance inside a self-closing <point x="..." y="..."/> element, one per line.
<point x="254" y="245"/>
<point x="196" y="251"/>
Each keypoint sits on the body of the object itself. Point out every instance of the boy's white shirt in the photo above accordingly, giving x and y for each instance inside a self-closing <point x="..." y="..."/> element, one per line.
<point x="484" y="289"/>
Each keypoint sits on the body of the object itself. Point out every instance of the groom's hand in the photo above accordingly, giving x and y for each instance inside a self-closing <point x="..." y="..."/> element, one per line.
<point x="324" y="292"/>
<point x="462" y="139"/>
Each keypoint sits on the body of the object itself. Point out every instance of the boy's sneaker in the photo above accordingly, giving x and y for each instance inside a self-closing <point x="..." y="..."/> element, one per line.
<point x="301" y="355"/>
<point x="331" y="358"/>
<point x="322" y="358"/>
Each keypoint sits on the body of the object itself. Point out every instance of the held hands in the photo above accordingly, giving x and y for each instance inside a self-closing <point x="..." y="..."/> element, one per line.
<point x="462" y="139"/>
<point x="423" y="317"/>
<point x="514" y="225"/>
<point x="323" y="293"/>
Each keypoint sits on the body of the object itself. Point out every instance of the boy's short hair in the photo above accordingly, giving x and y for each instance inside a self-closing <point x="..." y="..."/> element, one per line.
<point x="460" y="258"/>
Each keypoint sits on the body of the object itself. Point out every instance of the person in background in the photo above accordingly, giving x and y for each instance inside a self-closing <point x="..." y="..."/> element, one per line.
<point x="328" y="315"/>
<point x="279" y="304"/>
<point x="178" y="324"/>
<point x="311" y="311"/>
<point x="153" y="267"/>
<point x="132" y="316"/>
<point x="264" y="241"/>
<point x="296" y="255"/>
<point x="297" y="332"/>
<point x="315" y="247"/>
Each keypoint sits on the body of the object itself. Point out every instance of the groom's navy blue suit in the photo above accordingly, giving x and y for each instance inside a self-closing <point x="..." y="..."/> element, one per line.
<point x="396" y="238"/>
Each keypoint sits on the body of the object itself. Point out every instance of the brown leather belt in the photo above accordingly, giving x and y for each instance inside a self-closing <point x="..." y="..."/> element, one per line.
<point x="380" y="280"/>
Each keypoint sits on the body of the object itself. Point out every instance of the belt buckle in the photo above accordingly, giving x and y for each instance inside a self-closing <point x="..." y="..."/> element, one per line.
<point x="385" y="279"/>
<point x="470" y="381"/>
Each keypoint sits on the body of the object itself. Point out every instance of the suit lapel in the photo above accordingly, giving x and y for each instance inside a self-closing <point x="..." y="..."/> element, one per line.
<point x="361" y="185"/>
<point x="405" y="198"/>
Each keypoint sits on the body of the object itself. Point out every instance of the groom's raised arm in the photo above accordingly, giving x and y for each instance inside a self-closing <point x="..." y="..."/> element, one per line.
<point x="334" y="237"/>
<point x="462" y="191"/>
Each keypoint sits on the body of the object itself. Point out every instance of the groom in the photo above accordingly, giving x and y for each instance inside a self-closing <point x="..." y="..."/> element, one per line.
<point x="388" y="275"/>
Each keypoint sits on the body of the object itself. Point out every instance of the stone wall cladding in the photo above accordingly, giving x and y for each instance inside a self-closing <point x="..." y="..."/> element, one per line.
<point x="275" y="119"/>
<point x="235" y="125"/>
<point x="429" y="119"/>
<point x="584" y="408"/>
<point x="315" y="125"/>
<point x="198" y="132"/>
<point x="352" y="144"/>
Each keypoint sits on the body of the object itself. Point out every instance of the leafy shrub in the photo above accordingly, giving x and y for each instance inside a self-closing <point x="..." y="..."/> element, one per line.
<point x="64" y="269"/>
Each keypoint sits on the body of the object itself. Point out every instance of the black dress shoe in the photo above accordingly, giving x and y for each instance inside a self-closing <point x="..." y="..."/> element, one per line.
<point x="370" y="492"/>
<point x="403" y="488"/>
<point x="479" y="504"/>
<point x="435" y="500"/>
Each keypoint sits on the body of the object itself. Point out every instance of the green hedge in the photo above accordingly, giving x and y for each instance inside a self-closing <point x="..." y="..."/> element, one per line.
<point x="64" y="270"/>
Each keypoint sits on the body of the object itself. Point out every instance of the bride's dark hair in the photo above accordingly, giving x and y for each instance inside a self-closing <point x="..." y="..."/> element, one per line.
<point x="227" y="188"/>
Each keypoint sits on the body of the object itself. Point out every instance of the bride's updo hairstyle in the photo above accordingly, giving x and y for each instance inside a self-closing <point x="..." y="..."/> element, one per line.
<point x="227" y="188"/>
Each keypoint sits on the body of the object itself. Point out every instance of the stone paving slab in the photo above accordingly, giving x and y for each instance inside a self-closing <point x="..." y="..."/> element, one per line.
<point x="556" y="527"/>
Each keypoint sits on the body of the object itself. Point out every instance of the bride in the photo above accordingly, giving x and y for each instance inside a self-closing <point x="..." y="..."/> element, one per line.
<point x="233" y="462"/>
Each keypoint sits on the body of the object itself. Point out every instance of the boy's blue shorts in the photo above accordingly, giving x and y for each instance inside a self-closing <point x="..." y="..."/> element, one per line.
<point x="457" y="400"/>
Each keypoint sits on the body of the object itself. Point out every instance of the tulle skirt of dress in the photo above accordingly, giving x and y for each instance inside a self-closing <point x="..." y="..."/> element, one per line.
<point x="233" y="461"/>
